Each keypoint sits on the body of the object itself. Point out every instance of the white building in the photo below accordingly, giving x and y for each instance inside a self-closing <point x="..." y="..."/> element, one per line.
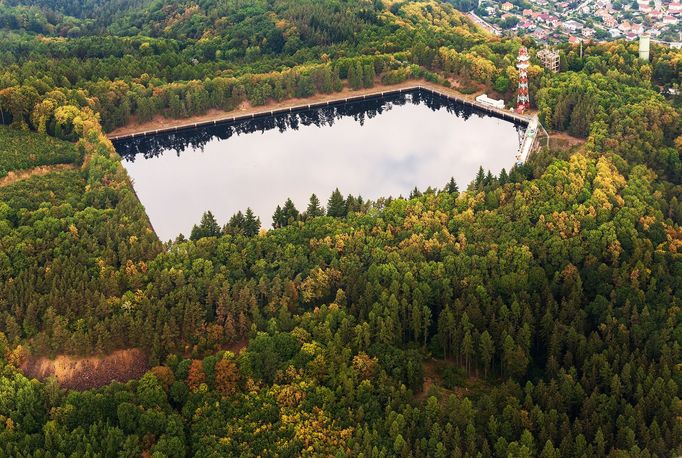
<point x="485" y="100"/>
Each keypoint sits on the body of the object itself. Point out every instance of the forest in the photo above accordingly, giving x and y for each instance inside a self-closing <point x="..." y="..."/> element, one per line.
<point x="533" y="313"/>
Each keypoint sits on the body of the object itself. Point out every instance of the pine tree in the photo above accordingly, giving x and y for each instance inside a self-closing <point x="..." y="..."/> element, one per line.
<point x="368" y="75"/>
<point x="235" y="225"/>
<point x="355" y="75"/>
<point x="277" y="217"/>
<point x="486" y="349"/>
<point x="351" y="204"/>
<point x="336" y="80"/>
<point x="336" y="206"/>
<point x="289" y="213"/>
<point x="208" y="227"/>
<point x="451" y="187"/>
<point x="251" y="224"/>
<point x="314" y="209"/>
<point x="467" y="349"/>
<point x="504" y="178"/>
<point x="480" y="178"/>
<point x="489" y="180"/>
<point x="415" y="193"/>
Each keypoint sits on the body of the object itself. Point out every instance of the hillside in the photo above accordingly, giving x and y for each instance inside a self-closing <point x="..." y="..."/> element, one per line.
<point x="532" y="313"/>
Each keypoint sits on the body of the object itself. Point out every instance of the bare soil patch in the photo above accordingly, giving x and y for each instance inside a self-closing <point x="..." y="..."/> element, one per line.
<point x="17" y="175"/>
<point x="562" y="141"/>
<point x="83" y="373"/>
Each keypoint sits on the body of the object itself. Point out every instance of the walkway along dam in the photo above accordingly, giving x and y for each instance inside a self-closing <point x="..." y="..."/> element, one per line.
<point x="525" y="148"/>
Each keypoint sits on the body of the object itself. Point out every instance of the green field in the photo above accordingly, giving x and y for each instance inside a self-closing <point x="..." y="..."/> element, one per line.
<point x="20" y="150"/>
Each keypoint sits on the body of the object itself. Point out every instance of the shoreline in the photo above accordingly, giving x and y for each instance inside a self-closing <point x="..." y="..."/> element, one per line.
<point x="214" y="117"/>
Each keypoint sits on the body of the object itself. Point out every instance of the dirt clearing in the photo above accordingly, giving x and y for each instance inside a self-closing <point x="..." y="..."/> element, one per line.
<point x="83" y="373"/>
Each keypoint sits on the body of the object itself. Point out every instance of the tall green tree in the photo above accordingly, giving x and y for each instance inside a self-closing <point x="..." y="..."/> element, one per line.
<point x="314" y="209"/>
<point x="251" y="223"/>
<point x="208" y="227"/>
<point x="336" y="205"/>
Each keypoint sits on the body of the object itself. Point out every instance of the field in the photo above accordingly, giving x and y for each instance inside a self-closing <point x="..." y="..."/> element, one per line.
<point x="21" y="150"/>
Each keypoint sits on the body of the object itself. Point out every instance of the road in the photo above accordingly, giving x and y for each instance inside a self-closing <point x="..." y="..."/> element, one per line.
<point x="484" y="24"/>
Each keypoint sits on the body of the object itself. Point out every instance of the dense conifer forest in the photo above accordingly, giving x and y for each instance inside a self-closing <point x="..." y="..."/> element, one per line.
<point x="533" y="313"/>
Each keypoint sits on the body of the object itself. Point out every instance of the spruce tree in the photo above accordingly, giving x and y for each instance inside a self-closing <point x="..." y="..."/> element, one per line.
<point x="235" y="225"/>
<point x="368" y="75"/>
<point x="451" y="187"/>
<point x="480" y="178"/>
<point x="289" y="213"/>
<point x="251" y="224"/>
<point x="208" y="227"/>
<point x="277" y="218"/>
<point x="504" y="178"/>
<point x="489" y="179"/>
<point x="314" y="209"/>
<point x="355" y="75"/>
<point x="351" y="204"/>
<point x="336" y="205"/>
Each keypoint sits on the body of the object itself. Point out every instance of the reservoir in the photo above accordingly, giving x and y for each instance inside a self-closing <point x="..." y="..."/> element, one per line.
<point x="380" y="147"/>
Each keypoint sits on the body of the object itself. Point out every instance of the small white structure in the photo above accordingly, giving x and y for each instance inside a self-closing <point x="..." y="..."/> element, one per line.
<point x="485" y="100"/>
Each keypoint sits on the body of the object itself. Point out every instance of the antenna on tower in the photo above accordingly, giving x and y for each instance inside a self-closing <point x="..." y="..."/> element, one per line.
<point x="522" y="98"/>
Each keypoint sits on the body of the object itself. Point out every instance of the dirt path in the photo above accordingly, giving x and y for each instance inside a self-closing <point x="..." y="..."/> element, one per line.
<point x="160" y="122"/>
<point x="18" y="175"/>
<point x="83" y="373"/>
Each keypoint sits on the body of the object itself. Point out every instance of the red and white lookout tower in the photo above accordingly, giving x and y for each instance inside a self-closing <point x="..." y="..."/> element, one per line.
<point x="522" y="99"/>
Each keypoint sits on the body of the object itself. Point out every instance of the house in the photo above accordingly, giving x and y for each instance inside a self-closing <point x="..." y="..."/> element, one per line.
<point x="549" y="19"/>
<point x="670" y="20"/>
<point x="627" y="28"/>
<point x="615" y="33"/>
<point x="675" y="7"/>
<point x="527" y="25"/>
<point x="574" y="40"/>
<point x="624" y="27"/>
<point x="540" y="34"/>
<point x="572" y="26"/>
<point x="507" y="6"/>
<point x="607" y="18"/>
<point x="656" y="15"/>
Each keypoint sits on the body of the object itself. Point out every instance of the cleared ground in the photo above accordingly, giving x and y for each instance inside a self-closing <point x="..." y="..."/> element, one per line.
<point x="82" y="373"/>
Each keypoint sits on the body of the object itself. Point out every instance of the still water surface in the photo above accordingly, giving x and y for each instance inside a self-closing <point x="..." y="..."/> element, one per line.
<point x="376" y="148"/>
